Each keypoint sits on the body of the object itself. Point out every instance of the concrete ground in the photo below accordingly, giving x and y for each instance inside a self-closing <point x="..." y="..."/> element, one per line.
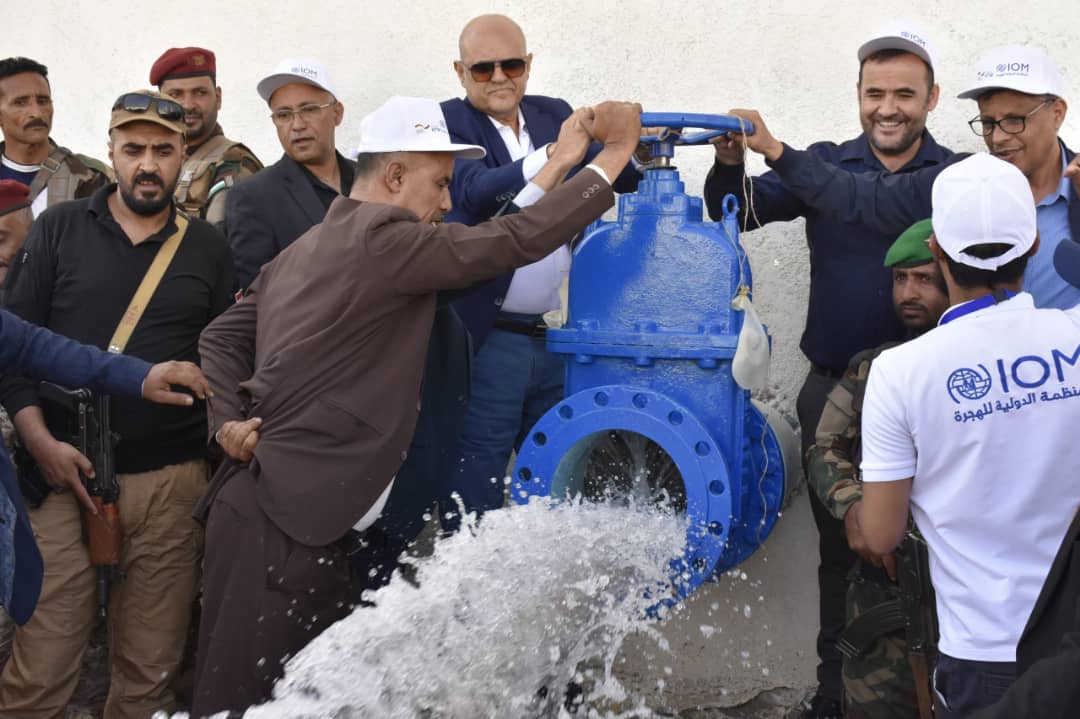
<point x="744" y="645"/>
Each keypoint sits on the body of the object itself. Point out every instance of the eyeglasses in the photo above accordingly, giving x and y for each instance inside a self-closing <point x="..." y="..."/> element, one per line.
<point x="1011" y="125"/>
<point x="138" y="102"/>
<point x="511" y="67"/>
<point x="308" y="113"/>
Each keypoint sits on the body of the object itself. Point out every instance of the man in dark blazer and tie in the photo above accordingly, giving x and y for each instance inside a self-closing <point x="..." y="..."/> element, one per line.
<point x="317" y="374"/>
<point x="515" y="379"/>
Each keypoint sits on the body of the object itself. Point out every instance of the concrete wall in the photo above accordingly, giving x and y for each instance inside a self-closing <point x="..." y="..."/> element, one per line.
<point x="792" y="59"/>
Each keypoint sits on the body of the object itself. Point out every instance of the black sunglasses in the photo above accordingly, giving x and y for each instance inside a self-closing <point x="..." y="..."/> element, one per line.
<point x="138" y="102"/>
<point x="511" y="67"/>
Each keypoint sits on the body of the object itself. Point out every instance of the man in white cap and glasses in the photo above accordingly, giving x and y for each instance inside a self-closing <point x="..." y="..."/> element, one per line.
<point x="850" y="306"/>
<point x="267" y="212"/>
<point x="318" y="372"/>
<point x="973" y="427"/>
<point x="1021" y="99"/>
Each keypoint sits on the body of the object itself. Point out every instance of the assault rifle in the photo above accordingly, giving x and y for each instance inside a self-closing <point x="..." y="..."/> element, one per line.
<point x="91" y="434"/>
<point x="914" y="612"/>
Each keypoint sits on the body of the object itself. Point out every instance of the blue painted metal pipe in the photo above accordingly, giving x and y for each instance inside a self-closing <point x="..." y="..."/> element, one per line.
<point x="649" y="343"/>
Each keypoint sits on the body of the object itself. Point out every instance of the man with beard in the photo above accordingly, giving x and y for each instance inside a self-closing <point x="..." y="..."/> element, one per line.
<point x="77" y="274"/>
<point x="850" y="306"/>
<point x="879" y="683"/>
<point x="27" y="154"/>
<point x="1021" y="99"/>
<point x="214" y="163"/>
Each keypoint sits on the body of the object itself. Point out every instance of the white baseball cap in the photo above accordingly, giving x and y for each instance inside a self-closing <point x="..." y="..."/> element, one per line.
<point x="411" y="124"/>
<point x="981" y="200"/>
<point x="296" y="69"/>
<point x="1023" y="68"/>
<point x="899" y="35"/>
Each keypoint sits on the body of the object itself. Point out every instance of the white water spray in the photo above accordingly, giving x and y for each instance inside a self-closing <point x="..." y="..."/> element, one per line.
<point x="510" y="612"/>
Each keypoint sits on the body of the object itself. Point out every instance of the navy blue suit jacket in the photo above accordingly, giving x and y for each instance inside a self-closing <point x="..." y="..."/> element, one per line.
<point x="33" y="351"/>
<point x="481" y="187"/>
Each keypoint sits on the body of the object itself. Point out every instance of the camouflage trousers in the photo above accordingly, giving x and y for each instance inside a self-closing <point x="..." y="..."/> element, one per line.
<point x="878" y="684"/>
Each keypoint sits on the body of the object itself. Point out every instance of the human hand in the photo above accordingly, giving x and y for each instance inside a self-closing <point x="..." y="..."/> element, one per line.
<point x="615" y="124"/>
<point x="857" y="543"/>
<point x="238" y="439"/>
<point x="61" y="464"/>
<point x="761" y="141"/>
<point x="729" y="147"/>
<point x="156" y="386"/>
<point x="573" y="141"/>
<point x="1072" y="170"/>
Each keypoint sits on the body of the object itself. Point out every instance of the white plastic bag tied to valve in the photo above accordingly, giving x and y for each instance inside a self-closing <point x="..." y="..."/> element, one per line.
<point x="750" y="367"/>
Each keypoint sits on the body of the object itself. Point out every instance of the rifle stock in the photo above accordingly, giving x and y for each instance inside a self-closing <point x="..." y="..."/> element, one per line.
<point x="92" y="435"/>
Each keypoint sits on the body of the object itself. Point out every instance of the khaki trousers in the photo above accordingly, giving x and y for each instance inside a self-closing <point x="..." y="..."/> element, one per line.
<point x="149" y="608"/>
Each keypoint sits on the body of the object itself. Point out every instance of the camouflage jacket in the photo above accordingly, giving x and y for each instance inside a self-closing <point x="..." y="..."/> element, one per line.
<point x="209" y="171"/>
<point x="67" y="176"/>
<point x="833" y="460"/>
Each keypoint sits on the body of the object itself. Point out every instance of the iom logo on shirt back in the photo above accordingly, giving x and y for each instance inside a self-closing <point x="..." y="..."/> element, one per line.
<point x="969" y="383"/>
<point x="1018" y="375"/>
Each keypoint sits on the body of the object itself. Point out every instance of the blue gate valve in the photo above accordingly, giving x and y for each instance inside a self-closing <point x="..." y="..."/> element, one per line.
<point x="651" y="408"/>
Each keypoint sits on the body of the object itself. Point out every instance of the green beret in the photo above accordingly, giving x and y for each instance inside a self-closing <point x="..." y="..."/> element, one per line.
<point x="911" y="247"/>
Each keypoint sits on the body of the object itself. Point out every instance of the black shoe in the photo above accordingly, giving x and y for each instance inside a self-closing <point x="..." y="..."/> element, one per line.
<point x="822" y="708"/>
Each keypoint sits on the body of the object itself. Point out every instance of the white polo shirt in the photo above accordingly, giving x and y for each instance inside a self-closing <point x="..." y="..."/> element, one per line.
<point x="984" y="413"/>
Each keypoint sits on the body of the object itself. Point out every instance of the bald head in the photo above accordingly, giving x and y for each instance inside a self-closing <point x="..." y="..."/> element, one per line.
<point x="485" y="28"/>
<point x="495" y="89"/>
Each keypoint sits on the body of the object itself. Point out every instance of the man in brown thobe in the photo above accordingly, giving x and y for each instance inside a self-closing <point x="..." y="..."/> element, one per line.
<point x="317" y="372"/>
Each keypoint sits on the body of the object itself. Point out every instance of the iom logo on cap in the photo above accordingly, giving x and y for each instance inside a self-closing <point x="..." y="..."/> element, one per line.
<point x="969" y="383"/>
<point x="422" y="127"/>
<point x="305" y="71"/>
<point x="914" y="38"/>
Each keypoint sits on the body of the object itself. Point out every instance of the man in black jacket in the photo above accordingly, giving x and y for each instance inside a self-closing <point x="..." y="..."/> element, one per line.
<point x="266" y="212"/>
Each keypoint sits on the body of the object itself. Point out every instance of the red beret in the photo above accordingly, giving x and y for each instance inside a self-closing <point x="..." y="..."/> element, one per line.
<point x="14" y="195"/>
<point x="183" y="62"/>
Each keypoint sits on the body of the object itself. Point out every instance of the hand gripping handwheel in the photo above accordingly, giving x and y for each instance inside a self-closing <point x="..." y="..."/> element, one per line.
<point x="714" y="125"/>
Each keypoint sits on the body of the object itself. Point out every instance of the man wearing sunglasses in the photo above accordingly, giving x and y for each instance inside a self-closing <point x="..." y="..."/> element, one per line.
<point x="27" y="154"/>
<point x="81" y="271"/>
<point x="1021" y="100"/>
<point x="514" y="378"/>
<point x="214" y="163"/>
<point x="265" y="213"/>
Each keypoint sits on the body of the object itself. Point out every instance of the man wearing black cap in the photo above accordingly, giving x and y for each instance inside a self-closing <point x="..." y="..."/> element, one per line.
<point x="879" y="681"/>
<point x="214" y="163"/>
<point x="122" y="270"/>
<point x="27" y="154"/>
<point x="850" y="305"/>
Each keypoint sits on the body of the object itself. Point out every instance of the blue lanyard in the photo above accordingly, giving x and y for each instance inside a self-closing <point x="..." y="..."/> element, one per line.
<point x="954" y="313"/>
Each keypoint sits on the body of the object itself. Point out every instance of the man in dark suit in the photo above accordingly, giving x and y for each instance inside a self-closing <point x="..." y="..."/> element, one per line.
<point x="265" y="213"/>
<point x="515" y="379"/>
<point x="314" y="412"/>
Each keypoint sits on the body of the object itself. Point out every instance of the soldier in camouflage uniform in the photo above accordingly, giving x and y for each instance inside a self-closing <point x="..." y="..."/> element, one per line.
<point x="27" y="154"/>
<point x="188" y="75"/>
<point x="879" y="683"/>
